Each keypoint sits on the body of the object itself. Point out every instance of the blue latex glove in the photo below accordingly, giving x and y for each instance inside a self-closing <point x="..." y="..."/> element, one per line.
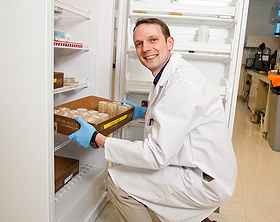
<point x="139" y="111"/>
<point x="83" y="136"/>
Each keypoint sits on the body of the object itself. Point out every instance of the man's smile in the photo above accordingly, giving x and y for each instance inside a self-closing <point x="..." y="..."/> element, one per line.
<point x="150" y="57"/>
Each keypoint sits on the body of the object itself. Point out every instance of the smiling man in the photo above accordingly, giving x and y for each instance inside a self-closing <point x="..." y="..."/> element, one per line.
<point x="185" y="166"/>
<point x="153" y="44"/>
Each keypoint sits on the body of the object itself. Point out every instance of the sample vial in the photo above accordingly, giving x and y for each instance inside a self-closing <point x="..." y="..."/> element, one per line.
<point x="73" y="113"/>
<point x="112" y="109"/>
<point x="86" y="114"/>
<point x="82" y="110"/>
<point x="57" y="111"/>
<point x="93" y="112"/>
<point x="117" y="103"/>
<point x="102" y="106"/>
<point x="103" y="116"/>
<point x="97" y="119"/>
<point x="122" y="109"/>
<point x="127" y="105"/>
<point x="69" y="81"/>
<point x="64" y="109"/>
<point x="91" y="119"/>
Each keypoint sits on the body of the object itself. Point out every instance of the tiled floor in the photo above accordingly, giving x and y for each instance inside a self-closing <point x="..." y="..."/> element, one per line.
<point x="257" y="195"/>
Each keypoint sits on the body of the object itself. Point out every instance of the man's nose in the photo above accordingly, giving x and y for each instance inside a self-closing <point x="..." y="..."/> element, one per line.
<point x="146" y="47"/>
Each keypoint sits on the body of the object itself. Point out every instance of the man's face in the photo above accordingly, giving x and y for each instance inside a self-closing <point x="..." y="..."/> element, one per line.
<point x="152" y="49"/>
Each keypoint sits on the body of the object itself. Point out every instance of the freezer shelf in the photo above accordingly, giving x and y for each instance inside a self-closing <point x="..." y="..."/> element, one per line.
<point x="211" y="10"/>
<point x="144" y="86"/>
<point x="193" y="50"/>
<point x="83" y="169"/>
<point x="69" y="88"/>
<point x="189" y="54"/>
<point x="56" y="148"/>
<point x="66" y="46"/>
<point x="84" y="188"/>
<point x="72" y="9"/>
<point x="191" y="20"/>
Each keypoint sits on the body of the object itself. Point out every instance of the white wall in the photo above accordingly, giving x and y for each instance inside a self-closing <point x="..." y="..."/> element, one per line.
<point x="259" y="16"/>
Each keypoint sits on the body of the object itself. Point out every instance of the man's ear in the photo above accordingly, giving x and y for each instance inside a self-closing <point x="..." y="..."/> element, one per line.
<point x="170" y="42"/>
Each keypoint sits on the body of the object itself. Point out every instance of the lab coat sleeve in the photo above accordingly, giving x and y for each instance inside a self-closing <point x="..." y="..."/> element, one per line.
<point x="179" y="110"/>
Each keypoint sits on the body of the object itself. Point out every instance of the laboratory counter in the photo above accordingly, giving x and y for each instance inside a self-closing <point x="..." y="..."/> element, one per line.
<point x="259" y="98"/>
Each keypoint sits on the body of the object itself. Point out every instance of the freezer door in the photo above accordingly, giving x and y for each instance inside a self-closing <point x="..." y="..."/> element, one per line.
<point x="218" y="57"/>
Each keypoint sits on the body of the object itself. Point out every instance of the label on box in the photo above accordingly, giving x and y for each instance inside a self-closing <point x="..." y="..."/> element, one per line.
<point x="68" y="178"/>
<point x="67" y="124"/>
<point x="114" y="122"/>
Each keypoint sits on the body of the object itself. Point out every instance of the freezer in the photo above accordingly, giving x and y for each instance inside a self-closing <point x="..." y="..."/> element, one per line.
<point x="218" y="57"/>
<point x="83" y="51"/>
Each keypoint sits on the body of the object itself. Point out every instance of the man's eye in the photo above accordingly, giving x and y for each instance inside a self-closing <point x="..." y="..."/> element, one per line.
<point x="138" y="44"/>
<point x="153" y="40"/>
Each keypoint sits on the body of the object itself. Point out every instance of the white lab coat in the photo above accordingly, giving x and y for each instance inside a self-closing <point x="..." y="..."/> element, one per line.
<point x="188" y="136"/>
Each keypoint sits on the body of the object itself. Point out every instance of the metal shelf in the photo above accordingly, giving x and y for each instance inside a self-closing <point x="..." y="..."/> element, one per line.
<point x="82" y="187"/>
<point x="56" y="148"/>
<point x="69" y="88"/>
<point x="72" y="9"/>
<point x="276" y="6"/>
<point x="83" y="169"/>
<point x="276" y="20"/>
<point x="70" y="46"/>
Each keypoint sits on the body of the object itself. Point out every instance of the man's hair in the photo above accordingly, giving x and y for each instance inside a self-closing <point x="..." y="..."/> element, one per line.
<point x="164" y="27"/>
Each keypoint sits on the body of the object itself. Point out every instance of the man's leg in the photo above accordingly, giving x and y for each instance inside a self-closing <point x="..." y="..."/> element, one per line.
<point x="129" y="209"/>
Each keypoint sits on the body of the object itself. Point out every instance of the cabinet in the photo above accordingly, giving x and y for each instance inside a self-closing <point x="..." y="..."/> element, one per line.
<point x="258" y="94"/>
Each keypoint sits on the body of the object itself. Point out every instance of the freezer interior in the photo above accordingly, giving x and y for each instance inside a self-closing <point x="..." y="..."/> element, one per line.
<point x="83" y="51"/>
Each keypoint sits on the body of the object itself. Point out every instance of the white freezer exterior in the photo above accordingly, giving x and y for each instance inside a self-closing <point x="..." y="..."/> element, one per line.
<point x="28" y="60"/>
<point x="219" y="59"/>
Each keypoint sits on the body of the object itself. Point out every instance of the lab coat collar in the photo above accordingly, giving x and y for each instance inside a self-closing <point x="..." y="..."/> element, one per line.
<point x="167" y="72"/>
<point x="170" y="68"/>
<point x="156" y="79"/>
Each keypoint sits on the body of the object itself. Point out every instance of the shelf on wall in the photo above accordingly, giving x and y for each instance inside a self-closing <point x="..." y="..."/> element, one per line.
<point x="276" y="6"/>
<point x="276" y="20"/>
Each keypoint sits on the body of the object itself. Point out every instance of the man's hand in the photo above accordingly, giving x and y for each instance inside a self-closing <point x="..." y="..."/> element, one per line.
<point x="83" y="136"/>
<point x="139" y="111"/>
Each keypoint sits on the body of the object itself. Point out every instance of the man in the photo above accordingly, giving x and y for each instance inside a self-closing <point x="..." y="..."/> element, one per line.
<point x="185" y="167"/>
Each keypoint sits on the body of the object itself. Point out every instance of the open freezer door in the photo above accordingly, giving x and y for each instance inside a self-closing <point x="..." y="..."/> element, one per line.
<point x="218" y="58"/>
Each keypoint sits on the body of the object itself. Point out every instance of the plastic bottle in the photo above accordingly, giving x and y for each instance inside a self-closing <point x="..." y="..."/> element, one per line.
<point x="203" y="34"/>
